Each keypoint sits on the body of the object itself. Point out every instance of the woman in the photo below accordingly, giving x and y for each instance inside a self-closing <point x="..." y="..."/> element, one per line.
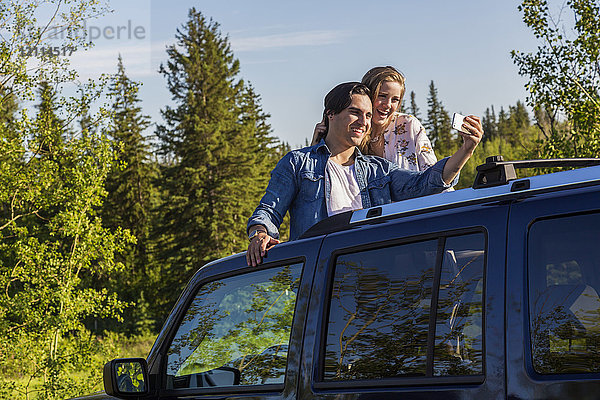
<point x="395" y="136"/>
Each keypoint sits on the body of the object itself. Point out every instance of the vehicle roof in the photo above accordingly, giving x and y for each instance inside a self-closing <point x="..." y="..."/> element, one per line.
<point x="519" y="188"/>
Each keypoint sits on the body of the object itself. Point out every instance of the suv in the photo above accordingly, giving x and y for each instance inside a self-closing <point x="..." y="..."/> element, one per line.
<point x="488" y="292"/>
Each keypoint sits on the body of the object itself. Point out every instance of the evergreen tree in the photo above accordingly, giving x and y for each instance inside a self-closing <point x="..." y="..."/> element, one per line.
<point x="8" y="107"/>
<point x="50" y="127"/>
<point x="10" y="142"/>
<point x="414" y="109"/>
<point x="439" y="125"/>
<point x="131" y="194"/>
<point x="216" y="144"/>
<point x="502" y="124"/>
<point x="516" y="126"/>
<point x="489" y="124"/>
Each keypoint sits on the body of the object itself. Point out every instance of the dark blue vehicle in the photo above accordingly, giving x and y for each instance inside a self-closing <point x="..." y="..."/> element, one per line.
<point x="484" y="293"/>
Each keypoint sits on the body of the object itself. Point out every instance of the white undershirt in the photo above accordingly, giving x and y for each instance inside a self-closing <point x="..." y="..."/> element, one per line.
<point x="345" y="194"/>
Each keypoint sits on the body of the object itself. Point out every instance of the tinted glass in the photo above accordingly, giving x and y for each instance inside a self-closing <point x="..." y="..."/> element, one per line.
<point x="564" y="283"/>
<point x="458" y="332"/>
<point x="236" y="331"/>
<point x="379" y="313"/>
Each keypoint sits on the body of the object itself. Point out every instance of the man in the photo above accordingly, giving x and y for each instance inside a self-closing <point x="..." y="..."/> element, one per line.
<point x="333" y="176"/>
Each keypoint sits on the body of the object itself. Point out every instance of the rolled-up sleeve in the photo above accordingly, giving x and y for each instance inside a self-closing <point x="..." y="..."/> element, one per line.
<point x="407" y="184"/>
<point x="281" y="191"/>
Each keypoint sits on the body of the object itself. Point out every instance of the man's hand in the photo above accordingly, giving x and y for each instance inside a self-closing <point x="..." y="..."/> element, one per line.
<point x="258" y="247"/>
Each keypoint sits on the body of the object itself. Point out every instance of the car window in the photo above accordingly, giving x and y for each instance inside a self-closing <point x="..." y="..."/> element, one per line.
<point x="380" y="322"/>
<point x="236" y="331"/>
<point x="459" y="317"/>
<point x="564" y="301"/>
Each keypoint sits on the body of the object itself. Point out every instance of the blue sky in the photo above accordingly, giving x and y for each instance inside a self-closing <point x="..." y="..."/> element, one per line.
<point x="294" y="52"/>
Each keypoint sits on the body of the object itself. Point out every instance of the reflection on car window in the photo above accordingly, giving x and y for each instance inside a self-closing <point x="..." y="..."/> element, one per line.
<point x="380" y="310"/>
<point x="459" y="319"/>
<point x="236" y="331"/>
<point x="379" y="313"/>
<point x="564" y="305"/>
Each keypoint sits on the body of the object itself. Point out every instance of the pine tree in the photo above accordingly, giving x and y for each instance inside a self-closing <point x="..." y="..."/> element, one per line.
<point x="50" y="127"/>
<point x="131" y="196"/>
<point x="439" y="125"/>
<point x="216" y="145"/>
<point x="414" y="109"/>
<point x="8" y="107"/>
<point x="511" y="132"/>
<point x="130" y="182"/>
<point x="11" y="145"/>
<point x="502" y="125"/>
<point x="489" y="124"/>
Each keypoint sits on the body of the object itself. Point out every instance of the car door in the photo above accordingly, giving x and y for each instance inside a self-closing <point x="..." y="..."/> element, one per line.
<point x="409" y="308"/>
<point x="553" y="307"/>
<point x="237" y="330"/>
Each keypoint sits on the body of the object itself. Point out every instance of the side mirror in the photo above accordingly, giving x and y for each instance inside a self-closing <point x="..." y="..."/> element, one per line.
<point x="126" y="377"/>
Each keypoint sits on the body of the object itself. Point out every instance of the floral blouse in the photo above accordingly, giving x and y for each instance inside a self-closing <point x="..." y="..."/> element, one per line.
<point x="407" y="144"/>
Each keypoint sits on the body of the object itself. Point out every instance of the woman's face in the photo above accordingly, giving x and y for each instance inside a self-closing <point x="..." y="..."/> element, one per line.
<point x="386" y="103"/>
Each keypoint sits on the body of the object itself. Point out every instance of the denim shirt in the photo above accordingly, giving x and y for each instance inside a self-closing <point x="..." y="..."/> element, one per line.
<point x="298" y="184"/>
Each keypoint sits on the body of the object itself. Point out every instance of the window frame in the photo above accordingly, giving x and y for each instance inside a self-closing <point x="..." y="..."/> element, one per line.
<point x="527" y="314"/>
<point x="191" y="296"/>
<point x="320" y="383"/>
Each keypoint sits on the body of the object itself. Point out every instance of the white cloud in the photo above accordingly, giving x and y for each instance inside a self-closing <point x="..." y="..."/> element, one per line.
<point x="137" y="59"/>
<point x="294" y="39"/>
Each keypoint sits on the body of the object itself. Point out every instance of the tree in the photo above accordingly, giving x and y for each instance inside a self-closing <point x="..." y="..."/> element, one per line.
<point x="439" y="125"/>
<point x="513" y="127"/>
<point x="489" y="124"/>
<point x="216" y="146"/>
<point x="564" y="77"/>
<point x="51" y="183"/>
<point x="51" y="238"/>
<point x="511" y="135"/>
<point x="8" y="108"/>
<point x="132" y="197"/>
<point x="414" y="109"/>
<point x="50" y="129"/>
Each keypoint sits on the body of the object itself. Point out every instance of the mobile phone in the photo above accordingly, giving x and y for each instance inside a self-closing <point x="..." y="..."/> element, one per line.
<point x="457" y="122"/>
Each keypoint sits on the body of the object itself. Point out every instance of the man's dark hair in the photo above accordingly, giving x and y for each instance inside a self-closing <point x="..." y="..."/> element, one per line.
<point x="340" y="98"/>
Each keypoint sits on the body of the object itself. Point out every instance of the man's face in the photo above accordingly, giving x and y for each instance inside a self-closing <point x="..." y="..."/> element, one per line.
<point x="349" y="127"/>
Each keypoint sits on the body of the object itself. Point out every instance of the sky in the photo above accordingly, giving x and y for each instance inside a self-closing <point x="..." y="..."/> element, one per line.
<point x="293" y="53"/>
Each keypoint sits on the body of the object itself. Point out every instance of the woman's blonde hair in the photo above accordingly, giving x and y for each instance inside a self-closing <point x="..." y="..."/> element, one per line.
<point x="373" y="79"/>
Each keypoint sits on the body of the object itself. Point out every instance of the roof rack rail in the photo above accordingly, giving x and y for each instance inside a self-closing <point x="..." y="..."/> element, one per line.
<point x="496" y="171"/>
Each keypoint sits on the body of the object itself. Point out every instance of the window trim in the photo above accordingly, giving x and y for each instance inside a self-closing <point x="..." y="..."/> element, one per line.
<point x="318" y="372"/>
<point x="527" y="310"/>
<point x="270" y="387"/>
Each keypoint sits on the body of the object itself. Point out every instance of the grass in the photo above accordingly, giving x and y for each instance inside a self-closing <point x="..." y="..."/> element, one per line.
<point x="80" y="379"/>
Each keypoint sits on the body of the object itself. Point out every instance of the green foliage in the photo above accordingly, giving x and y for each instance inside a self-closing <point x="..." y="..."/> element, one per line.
<point x="52" y="241"/>
<point x="511" y="135"/>
<point x="564" y="77"/>
<point x="414" y="109"/>
<point x="439" y="125"/>
<point x="50" y="238"/>
<point x="130" y="203"/>
<point x="29" y="25"/>
<point x="217" y="153"/>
